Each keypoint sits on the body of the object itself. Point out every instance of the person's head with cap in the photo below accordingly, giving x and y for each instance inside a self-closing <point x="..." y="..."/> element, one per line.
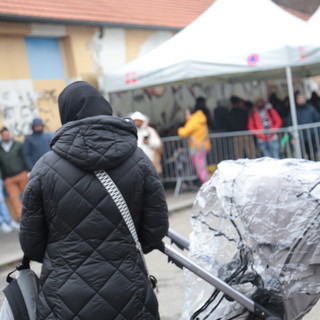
<point x="138" y="118"/>
<point x="80" y="100"/>
<point x="37" y="125"/>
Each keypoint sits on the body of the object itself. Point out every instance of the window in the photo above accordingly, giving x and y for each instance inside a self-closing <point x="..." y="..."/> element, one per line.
<point x="44" y="58"/>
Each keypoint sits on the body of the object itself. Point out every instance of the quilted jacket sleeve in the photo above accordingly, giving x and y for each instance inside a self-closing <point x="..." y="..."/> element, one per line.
<point x="33" y="230"/>
<point x="154" y="222"/>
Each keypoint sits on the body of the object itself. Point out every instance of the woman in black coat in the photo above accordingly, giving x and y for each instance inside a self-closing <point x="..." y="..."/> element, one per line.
<point x="91" y="268"/>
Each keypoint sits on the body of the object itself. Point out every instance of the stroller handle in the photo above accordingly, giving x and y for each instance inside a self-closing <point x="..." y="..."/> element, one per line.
<point x="181" y="242"/>
<point x="182" y="261"/>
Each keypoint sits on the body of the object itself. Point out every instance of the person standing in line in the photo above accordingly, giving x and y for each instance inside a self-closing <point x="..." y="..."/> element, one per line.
<point x="148" y="140"/>
<point x="265" y="117"/>
<point x="13" y="170"/>
<point x="91" y="268"/>
<point x="36" y="144"/>
<point x="201" y="104"/>
<point x="196" y="130"/>
<point x="237" y="120"/>
<point x="306" y="114"/>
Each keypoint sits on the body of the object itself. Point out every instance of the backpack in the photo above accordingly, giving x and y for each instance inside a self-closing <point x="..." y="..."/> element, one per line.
<point x="21" y="294"/>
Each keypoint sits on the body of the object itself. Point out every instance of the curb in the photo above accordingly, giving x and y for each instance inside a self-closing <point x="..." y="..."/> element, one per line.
<point x="174" y="207"/>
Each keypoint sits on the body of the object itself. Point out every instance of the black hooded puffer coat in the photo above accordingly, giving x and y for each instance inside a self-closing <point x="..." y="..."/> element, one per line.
<point x="91" y="268"/>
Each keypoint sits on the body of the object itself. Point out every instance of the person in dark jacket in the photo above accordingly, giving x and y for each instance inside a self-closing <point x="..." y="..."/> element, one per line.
<point x="13" y="171"/>
<point x="201" y="104"/>
<point x="306" y="114"/>
<point x="237" y="120"/>
<point x="36" y="144"/>
<point x="91" y="267"/>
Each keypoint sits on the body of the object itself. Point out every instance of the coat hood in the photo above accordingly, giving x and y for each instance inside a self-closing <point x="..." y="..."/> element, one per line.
<point x="94" y="143"/>
<point x="80" y="100"/>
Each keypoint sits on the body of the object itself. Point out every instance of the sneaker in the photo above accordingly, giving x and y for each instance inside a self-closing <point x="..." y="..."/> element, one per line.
<point x="14" y="225"/>
<point x="4" y="227"/>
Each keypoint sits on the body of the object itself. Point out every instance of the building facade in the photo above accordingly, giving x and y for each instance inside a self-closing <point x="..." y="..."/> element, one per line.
<point x="44" y="46"/>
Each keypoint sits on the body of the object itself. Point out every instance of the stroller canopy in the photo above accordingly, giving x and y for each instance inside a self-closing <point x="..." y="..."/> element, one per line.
<point x="255" y="225"/>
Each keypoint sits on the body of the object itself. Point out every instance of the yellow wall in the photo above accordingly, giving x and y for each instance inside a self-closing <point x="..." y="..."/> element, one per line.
<point x="13" y="58"/>
<point x="66" y="55"/>
<point x="134" y="40"/>
<point x="78" y="48"/>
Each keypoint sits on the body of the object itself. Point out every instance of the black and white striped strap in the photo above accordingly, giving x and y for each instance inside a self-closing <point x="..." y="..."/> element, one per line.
<point x="118" y="199"/>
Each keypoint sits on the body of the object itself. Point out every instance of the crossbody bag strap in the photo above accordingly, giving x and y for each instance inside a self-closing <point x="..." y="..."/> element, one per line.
<point x="118" y="199"/>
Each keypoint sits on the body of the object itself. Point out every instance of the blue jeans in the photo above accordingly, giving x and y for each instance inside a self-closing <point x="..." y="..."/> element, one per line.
<point x="4" y="213"/>
<point x="269" y="148"/>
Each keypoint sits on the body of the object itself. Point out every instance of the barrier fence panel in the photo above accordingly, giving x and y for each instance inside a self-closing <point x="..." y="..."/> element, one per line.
<point x="177" y="165"/>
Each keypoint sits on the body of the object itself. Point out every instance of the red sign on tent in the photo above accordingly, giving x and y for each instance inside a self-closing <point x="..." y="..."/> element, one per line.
<point x="131" y="77"/>
<point x="302" y="53"/>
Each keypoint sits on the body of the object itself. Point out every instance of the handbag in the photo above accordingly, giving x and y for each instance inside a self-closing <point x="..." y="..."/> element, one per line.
<point x="21" y="294"/>
<point x="121" y="204"/>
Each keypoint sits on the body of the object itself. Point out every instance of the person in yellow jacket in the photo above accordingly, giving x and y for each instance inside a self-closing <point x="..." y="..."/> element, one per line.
<point x="196" y="129"/>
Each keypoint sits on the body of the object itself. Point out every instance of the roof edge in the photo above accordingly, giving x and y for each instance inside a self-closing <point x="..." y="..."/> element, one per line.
<point x="31" y="19"/>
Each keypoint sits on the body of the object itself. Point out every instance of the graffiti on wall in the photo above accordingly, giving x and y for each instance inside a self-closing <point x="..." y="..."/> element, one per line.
<point x="20" y="106"/>
<point x="47" y="104"/>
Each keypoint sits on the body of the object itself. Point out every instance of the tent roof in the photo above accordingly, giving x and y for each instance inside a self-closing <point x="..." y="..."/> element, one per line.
<point x="254" y="37"/>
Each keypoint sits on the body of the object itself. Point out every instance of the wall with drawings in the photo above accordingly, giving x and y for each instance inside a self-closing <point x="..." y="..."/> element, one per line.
<point x="23" y="100"/>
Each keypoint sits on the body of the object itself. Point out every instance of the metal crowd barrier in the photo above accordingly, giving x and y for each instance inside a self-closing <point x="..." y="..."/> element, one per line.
<point x="176" y="164"/>
<point x="178" y="169"/>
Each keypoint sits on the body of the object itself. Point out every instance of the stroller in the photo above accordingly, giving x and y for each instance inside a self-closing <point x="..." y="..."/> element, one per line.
<point x="256" y="239"/>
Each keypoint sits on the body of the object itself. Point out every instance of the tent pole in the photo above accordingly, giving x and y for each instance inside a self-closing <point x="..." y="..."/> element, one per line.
<point x="297" y="149"/>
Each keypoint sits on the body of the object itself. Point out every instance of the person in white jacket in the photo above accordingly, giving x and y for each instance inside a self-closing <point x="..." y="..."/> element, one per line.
<point x="148" y="139"/>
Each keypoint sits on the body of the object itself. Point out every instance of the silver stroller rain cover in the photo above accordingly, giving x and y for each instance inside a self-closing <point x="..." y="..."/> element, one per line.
<point x="256" y="225"/>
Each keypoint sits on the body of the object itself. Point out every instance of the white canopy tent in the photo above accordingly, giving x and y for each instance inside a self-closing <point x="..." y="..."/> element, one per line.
<point x="234" y="40"/>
